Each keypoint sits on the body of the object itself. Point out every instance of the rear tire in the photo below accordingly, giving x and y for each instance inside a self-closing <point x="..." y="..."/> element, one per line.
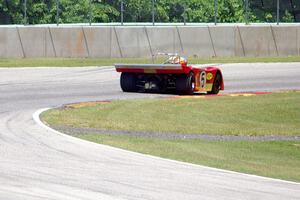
<point x="184" y="84"/>
<point x="128" y="82"/>
<point x="217" y="85"/>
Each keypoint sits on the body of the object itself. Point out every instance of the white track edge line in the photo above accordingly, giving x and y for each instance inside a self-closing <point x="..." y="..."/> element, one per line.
<point x="36" y="118"/>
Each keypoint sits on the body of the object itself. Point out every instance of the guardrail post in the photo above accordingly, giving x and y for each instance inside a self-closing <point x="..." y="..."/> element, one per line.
<point x="246" y="11"/>
<point x="184" y="14"/>
<point x="90" y="12"/>
<point x="215" y="11"/>
<point x="25" y="12"/>
<point x="153" y="12"/>
<point x="122" y="12"/>
<point x="277" y="18"/>
<point x="57" y="12"/>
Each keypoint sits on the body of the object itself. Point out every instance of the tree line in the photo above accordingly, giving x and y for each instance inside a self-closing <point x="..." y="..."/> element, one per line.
<point x="104" y="11"/>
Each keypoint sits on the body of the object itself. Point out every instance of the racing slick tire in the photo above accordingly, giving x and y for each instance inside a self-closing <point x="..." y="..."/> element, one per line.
<point x="217" y="85"/>
<point x="184" y="84"/>
<point x="128" y="82"/>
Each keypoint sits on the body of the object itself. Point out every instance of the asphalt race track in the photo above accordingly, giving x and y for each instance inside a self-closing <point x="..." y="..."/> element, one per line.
<point x="36" y="163"/>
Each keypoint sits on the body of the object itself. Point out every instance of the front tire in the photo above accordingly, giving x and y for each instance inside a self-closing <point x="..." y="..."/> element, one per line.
<point x="128" y="82"/>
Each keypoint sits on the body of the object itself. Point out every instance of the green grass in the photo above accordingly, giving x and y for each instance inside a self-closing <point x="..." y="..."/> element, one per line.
<point x="66" y="62"/>
<point x="271" y="159"/>
<point x="77" y="62"/>
<point x="244" y="59"/>
<point x="272" y="114"/>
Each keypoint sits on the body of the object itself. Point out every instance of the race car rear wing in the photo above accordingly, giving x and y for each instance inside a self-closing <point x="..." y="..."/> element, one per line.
<point x="148" y="66"/>
<point x="152" y="68"/>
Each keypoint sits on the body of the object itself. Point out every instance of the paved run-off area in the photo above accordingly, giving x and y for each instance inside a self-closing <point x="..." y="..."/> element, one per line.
<point x="39" y="164"/>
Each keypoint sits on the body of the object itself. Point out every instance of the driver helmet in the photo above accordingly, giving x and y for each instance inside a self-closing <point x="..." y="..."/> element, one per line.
<point x="177" y="60"/>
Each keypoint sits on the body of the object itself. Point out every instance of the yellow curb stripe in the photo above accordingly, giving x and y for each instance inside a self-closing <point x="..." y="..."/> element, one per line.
<point x="85" y="104"/>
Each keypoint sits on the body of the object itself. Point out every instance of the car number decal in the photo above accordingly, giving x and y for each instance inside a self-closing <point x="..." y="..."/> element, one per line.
<point x="202" y="79"/>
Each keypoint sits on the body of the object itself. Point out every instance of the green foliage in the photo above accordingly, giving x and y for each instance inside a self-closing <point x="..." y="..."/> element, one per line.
<point x="287" y="17"/>
<point x="10" y="11"/>
<point x="231" y="11"/>
<point x="79" y="11"/>
<point x="104" y="13"/>
<point x="138" y="11"/>
<point x="269" y="17"/>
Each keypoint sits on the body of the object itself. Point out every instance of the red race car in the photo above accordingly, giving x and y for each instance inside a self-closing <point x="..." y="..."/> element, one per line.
<point x="175" y="74"/>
